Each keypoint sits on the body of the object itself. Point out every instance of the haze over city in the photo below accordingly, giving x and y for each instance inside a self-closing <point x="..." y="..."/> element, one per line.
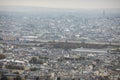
<point x="95" y="4"/>
<point x="59" y="40"/>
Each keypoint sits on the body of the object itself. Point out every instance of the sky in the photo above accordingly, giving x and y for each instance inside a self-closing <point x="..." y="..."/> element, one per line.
<point x="63" y="3"/>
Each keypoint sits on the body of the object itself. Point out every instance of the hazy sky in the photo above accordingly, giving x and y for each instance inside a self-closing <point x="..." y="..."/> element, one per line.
<point x="63" y="3"/>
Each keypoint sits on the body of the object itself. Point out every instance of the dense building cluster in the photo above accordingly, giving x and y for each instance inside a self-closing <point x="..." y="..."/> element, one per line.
<point x="47" y="62"/>
<point x="63" y="46"/>
<point x="74" y="25"/>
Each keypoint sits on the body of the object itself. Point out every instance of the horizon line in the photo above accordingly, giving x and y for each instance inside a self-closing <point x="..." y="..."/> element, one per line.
<point x="56" y="7"/>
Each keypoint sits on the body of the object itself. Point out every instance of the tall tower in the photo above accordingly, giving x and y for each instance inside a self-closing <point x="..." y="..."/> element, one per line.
<point x="103" y="13"/>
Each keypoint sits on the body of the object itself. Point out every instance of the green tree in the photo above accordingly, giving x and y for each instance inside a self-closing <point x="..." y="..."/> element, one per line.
<point x="15" y="72"/>
<point x="18" y="78"/>
<point x="58" y="78"/>
<point x="33" y="60"/>
<point x="4" y="77"/>
<point x="118" y="78"/>
<point x="37" y="78"/>
<point x="2" y="56"/>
